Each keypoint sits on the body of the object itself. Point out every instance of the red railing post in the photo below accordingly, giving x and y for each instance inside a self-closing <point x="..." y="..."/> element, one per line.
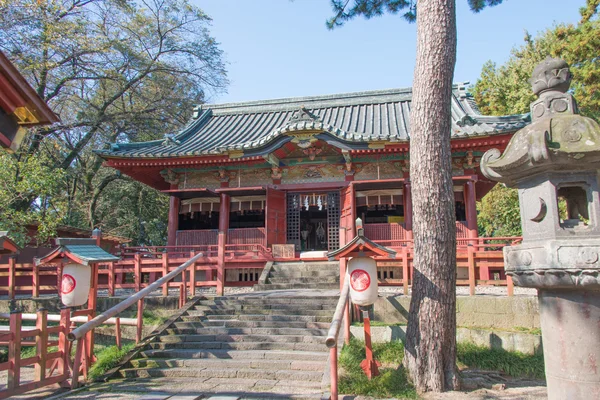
<point x="63" y="343"/>
<point x="165" y="267"/>
<point x="14" y="351"/>
<point x="138" y="271"/>
<point x="41" y="344"/>
<point x="79" y="353"/>
<point x="333" y="371"/>
<point x="118" y="332"/>
<point x="369" y="365"/>
<point x="140" y="321"/>
<point x="510" y="287"/>
<point x="59" y="274"/>
<point x="11" y="277"/>
<point x="471" y="264"/>
<point x="35" y="281"/>
<point x="192" y="276"/>
<point x="111" y="278"/>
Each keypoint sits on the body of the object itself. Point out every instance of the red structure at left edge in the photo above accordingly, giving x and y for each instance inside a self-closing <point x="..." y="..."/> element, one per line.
<point x="287" y="178"/>
<point x="20" y="106"/>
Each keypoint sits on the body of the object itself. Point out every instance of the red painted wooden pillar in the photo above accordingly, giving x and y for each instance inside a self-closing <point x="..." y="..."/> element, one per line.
<point x="471" y="214"/>
<point x="223" y="228"/>
<point x="407" y="200"/>
<point x="173" y="225"/>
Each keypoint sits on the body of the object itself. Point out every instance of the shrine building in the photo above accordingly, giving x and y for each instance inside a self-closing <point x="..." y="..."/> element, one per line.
<point x="299" y="171"/>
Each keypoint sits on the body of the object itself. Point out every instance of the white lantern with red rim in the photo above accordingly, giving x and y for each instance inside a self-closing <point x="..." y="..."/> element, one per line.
<point x="75" y="284"/>
<point x="362" y="272"/>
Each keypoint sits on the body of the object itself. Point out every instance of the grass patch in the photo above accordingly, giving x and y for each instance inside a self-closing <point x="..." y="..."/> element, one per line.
<point x="108" y="358"/>
<point x="392" y="382"/>
<point x="151" y="319"/>
<point x="511" y="363"/>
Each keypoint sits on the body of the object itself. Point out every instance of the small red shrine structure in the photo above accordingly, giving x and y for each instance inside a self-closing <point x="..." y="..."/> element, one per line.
<point x="20" y="106"/>
<point x="299" y="171"/>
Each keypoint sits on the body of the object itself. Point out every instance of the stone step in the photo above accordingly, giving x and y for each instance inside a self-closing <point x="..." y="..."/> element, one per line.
<point x="320" y="280"/>
<point x="230" y="313"/>
<point x="241" y="363"/>
<point x="241" y="338"/>
<point x="310" y="378"/>
<point x="287" y="286"/>
<point x="250" y="331"/>
<point x="243" y="345"/>
<point x="260" y="317"/>
<point x="311" y="306"/>
<point x="316" y="356"/>
<point x="216" y="388"/>
<point x="252" y="324"/>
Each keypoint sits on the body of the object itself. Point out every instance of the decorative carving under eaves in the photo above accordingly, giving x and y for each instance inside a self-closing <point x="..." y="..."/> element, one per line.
<point x="225" y="176"/>
<point x="276" y="173"/>
<point x="469" y="161"/>
<point x="350" y="168"/>
<point x="312" y="152"/>
<point x="170" y="176"/>
<point x="403" y="165"/>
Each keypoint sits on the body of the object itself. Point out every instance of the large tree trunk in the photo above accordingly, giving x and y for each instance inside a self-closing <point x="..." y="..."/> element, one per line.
<point x="430" y="348"/>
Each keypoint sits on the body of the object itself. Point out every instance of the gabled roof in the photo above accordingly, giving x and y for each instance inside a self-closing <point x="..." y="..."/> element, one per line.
<point x="83" y="251"/>
<point x="7" y="246"/>
<point x="353" y="120"/>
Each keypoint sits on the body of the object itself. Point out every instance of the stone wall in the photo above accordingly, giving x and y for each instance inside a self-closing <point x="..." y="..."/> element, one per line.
<point x="494" y="339"/>
<point x="471" y="311"/>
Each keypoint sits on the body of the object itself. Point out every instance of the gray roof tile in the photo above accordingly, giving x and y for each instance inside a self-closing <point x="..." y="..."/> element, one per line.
<point x="354" y="118"/>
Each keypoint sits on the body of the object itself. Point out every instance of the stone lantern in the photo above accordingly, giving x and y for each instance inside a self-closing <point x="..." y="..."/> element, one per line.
<point x="554" y="163"/>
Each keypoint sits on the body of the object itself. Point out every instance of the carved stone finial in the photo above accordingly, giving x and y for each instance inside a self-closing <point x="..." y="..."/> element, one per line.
<point x="303" y="115"/>
<point x="551" y="74"/>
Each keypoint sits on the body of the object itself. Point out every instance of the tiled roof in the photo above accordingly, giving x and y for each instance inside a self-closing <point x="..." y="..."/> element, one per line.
<point x="351" y="119"/>
<point x="83" y="249"/>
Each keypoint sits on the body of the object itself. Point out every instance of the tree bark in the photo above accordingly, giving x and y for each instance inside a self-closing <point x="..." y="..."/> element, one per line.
<point x="430" y="348"/>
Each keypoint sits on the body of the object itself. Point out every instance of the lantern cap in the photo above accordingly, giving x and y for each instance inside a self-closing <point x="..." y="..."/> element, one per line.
<point x="81" y="251"/>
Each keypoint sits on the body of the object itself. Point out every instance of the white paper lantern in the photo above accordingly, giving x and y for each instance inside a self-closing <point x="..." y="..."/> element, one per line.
<point x="362" y="272"/>
<point x="75" y="284"/>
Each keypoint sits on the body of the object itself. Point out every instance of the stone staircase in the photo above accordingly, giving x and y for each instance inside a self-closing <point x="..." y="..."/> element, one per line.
<point x="261" y="346"/>
<point x="300" y="275"/>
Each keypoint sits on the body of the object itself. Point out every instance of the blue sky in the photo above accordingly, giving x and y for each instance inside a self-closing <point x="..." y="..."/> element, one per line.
<point x="281" y="48"/>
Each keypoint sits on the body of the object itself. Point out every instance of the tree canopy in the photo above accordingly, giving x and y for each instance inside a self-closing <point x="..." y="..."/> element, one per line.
<point x="505" y="89"/>
<point x="114" y="71"/>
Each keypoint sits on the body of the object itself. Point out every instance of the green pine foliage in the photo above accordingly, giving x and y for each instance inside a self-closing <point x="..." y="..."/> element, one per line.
<point x="505" y="89"/>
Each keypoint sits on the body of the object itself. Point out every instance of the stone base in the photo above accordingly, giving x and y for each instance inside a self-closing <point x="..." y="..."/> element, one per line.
<point x="570" y="322"/>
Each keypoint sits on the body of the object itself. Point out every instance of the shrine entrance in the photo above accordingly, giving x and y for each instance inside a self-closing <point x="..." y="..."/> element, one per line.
<point x="313" y="221"/>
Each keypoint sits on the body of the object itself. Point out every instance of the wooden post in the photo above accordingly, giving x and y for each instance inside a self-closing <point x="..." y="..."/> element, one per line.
<point x="140" y="321"/>
<point x="59" y="274"/>
<point x="165" y="267"/>
<point x="471" y="264"/>
<point x="91" y="305"/>
<point x="333" y="371"/>
<point x="14" y="351"/>
<point x="118" y="332"/>
<point x="35" y="281"/>
<point x="11" y="277"/>
<point x="63" y="343"/>
<point x="223" y="228"/>
<point x="192" y="277"/>
<point x="77" y="363"/>
<point x="368" y="365"/>
<point x="510" y="286"/>
<point x="41" y="344"/>
<point x="137" y="271"/>
<point x="347" y="321"/>
<point x="111" y="278"/>
<point x="173" y="224"/>
<point x="405" y="271"/>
